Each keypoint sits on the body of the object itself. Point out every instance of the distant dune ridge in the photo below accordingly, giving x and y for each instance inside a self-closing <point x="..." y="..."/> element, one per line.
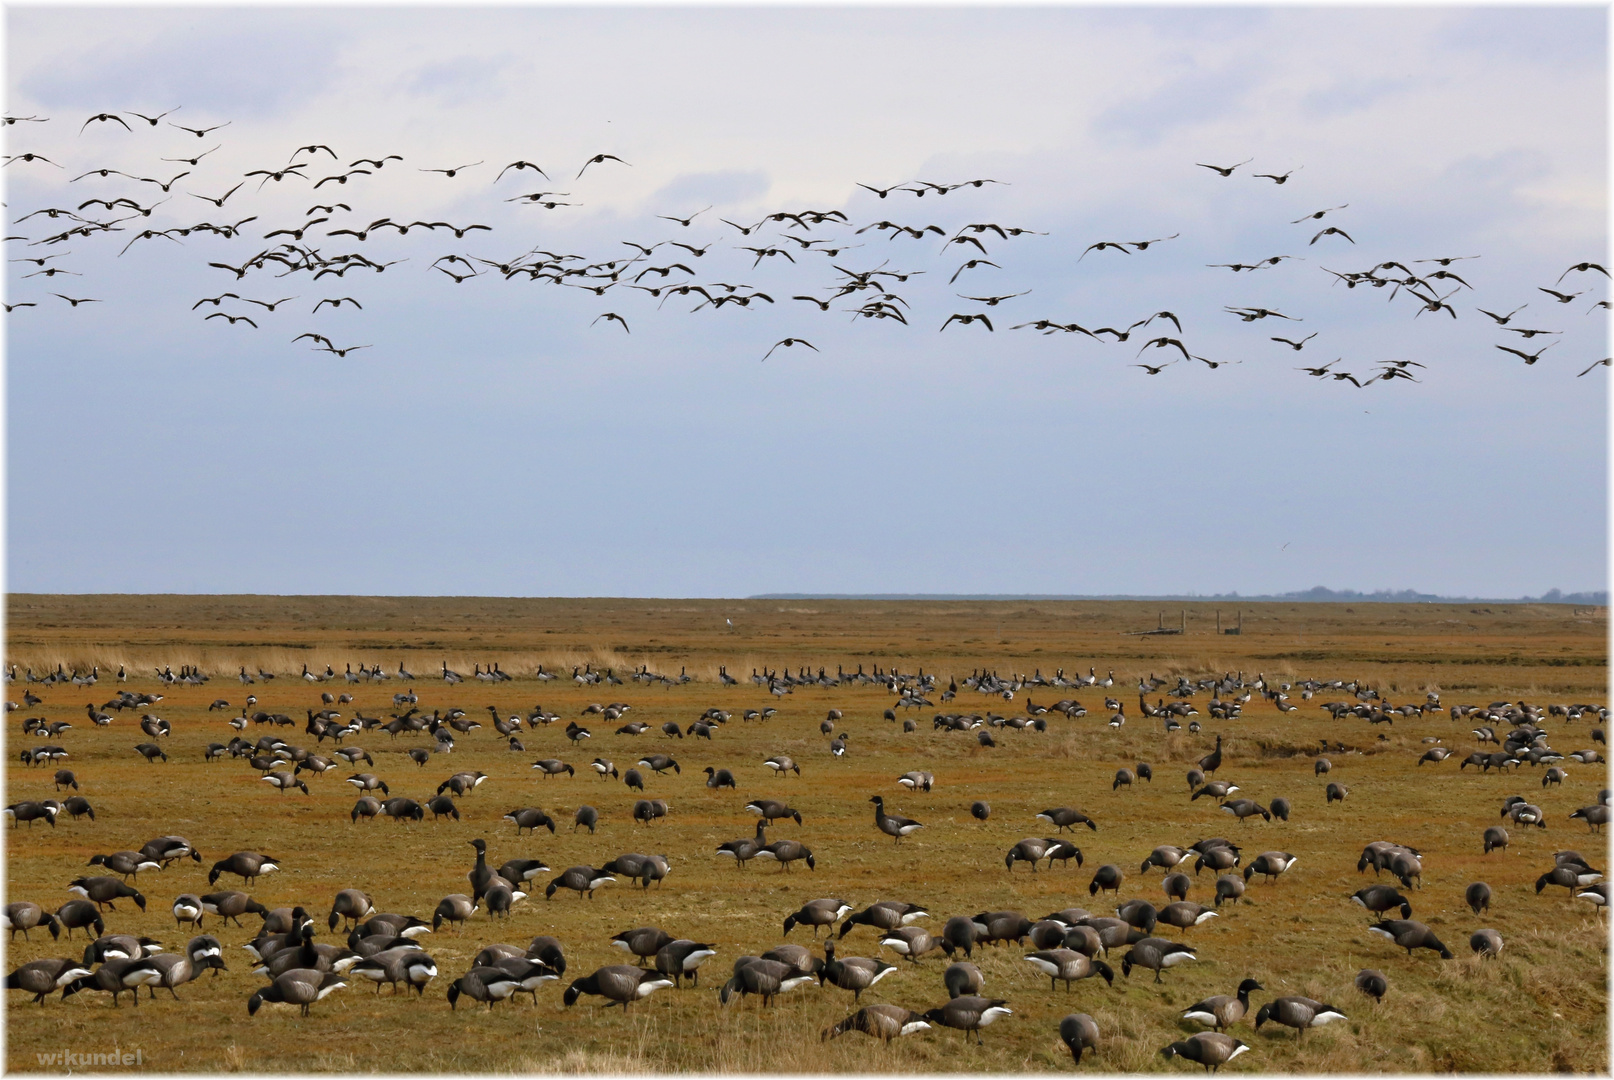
<point x="1319" y="594"/>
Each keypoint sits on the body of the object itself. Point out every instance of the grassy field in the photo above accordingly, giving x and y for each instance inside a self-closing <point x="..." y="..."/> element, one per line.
<point x="1542" y="1006"/>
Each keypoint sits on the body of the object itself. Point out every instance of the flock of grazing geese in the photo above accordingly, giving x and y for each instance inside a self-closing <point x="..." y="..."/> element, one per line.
<point x="1067" y="946"/>
<point x="123" y="210"/>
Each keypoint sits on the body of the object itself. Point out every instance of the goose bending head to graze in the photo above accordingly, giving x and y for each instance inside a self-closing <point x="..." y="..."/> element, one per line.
<point x="970" y="1013"/>
<point x="580" y="879"/>
<point x="1372" y="983"/>
<point x="25" y="916"/>
<point x="884" y="915"/>
<point x="1299" y="1013"/>
<point x="684" y="957"/>
<point x="884" y="1022"/>
<point x="1156" y="954"/>
<point x="768" y="978"/>
<point x="1069" y="966"/>
<point x="1063" y="817"/>
<point x="1208" y="1048"/>
<point x="41" y="977"/>
<point x="249" y="865"/>
<point x="817" y="913"/>
<point x="1078" y="1032"/>
<point x="1410" y="935"/>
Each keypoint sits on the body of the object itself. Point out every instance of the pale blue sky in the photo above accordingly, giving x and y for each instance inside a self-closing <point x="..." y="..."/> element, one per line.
<point x="495" y="441"/>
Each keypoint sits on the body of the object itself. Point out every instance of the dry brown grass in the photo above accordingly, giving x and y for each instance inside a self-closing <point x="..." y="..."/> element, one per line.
<point x="1541" y="1006"/>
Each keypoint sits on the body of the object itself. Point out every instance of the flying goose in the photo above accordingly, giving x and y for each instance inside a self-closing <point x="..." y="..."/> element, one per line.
<point x="1208" y="1048"/>
<point x="1223" y="1011"/>
<point x="1299" y="1013"/>
<point x="885" y="1022"/>
<point x="969" y="1013"/>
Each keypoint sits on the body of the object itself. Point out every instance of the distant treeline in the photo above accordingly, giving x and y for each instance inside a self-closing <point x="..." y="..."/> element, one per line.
<point x="1317" y="595"/>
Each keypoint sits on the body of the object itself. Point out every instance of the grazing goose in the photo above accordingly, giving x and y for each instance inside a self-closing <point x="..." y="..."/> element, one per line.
<point x="660" y="763"/>
<point x="1155" y="954"/>
<point x="407" y="965"/>
<point x="1176" y="885"/>
<point x="962" y="979"/>
<point x="1336" y="793"/>
<point x="1029" y="850"/>
<point x="647" y="810"/>
<point x="917" y="780"/>
<point x="1477" y="896"/>
<point x="167" y="849"/>
<point x="1220" y="857"/>
<point x="854" y="973"/>
<point x="79" y="914"/>
<point x="1068" y="965"/>
<point x="530" y="975"/>
<point x="1299" y="1013"/>
<point x="1078" y="1032"/>
<point x="980" y="811"/>
<point x="1229" y="887"/>
<point x="761" y="976"/>
<point x="799" y="958"/>
<point x="1596" y="894"/>
<point x="1243" y="809"/>
<point x="816" y="913"/>
<point x="1381" y="898"/>
<point x="454" y="908"/>
<point x="884" y="1022"/>
<point x="1486" y="943"/>
<point x="586" y="816"/>
<point x="31" y="812"/>
<point x="490" y="984"/>
<point x="1183" y="914"/>
<point x="969" y="1013"/>
<point x="1107" y="878"/>
<point x="115" y="975"/>
<point x="633" y="779"/>
<point x="911" y="942"/>
<point x="104" y="890"/>
<point x="1410" y="935"/>
<point x="25" y="916"/>
<point x="127" y="863"/>
<point x="1208" y="1048"/>
<point x="580" y="879"/>
<point x="203" y="948"/>
<point x="884" y="915"/>
<point x="1595" y="816"/>
<point x="548" y="950"/>
<point x="1139" y="913"/>
<point x="893" y="826"/>
<point x="1123" y="778"/>
<point x="1166" y="856"/>
<point x="1372" y="983"/>
<point x="644" y="942"/>
<point x="532" y="819"/>
<point x="683" y="957"/>
<point x="517" y="871"/>
<point x="1063" y="817"/>
<point x="772" y="810"/>
<point x="1279" y="808"/>
<point x="744" y="850"/>
<point x="1216" y="789"/>
<point x="366" y="807"/>
<point x="554" y="767"/>
<point x="1223" y="1011"/>
<point x="604" y="769"/>
<point x="785" y="852"/>
<point x="959" y="933"/>
<point x="249" y="865"/>
<point x="1569" y="875"/>
<point x="177" y="970"/>
<point x="719" y="778"/>
<point x="231" y="905"/>
<point x="188" y="909"/>
<point x="781" y="764"/>
<point x="41" y="977"/>
<point x="1270" y="864"/>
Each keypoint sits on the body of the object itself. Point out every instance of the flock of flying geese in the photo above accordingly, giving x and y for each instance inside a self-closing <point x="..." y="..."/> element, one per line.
<point x="1067" y="946"/>
<point x="119" y="211"/>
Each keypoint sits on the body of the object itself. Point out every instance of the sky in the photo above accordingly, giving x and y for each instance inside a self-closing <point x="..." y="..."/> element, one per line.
<point x="500" y="436"/>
